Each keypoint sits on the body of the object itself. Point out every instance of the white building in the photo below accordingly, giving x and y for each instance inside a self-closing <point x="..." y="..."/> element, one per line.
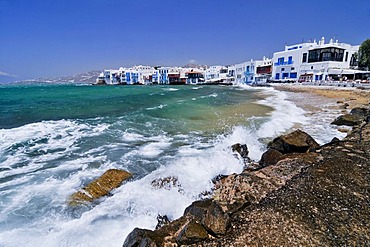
<point x="315" y="61"/>
<point x="111" y="76"/>
<point x="253" y="71"/>
<point x="136" y="75"/>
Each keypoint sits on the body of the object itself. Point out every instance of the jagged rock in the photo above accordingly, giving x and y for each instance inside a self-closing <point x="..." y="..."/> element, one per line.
<point x="192" y="233"/>
<point x="270" y="157"/>
<point x="210" y="215"/>
<point x="343" y="130"/>
<point x="140" y="238"/>
<point x="162" y="221"/>
<point x="361" y="112"/>
<point x="295" y="142"/>
<point x="361" y="133"/>
<point x="335" y="139"/>
<point x="241" y="149"/>
<point x="348" y="120"/>
<point x="167" y="183"/>
<point x="100" y="187"/>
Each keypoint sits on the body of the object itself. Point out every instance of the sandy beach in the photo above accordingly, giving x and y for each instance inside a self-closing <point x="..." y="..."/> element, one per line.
<point x="354" y="97"/>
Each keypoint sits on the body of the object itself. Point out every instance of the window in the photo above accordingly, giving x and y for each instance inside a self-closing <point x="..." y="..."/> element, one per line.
<point x="281" y="60"/>
<point x="293" y="75"/>
<point x="311" y="67"/>
<point x="285" y="75"/>
<point x="326" y="54"/>
<point x="277" y="76"/>
<point x="292" y="68"/>
<point x="282" y="69"/>
<point x="304" y="59"/>
<point x="354" y="61"/>
<point x="346" y="56"/>
<point x="290" y="60"/>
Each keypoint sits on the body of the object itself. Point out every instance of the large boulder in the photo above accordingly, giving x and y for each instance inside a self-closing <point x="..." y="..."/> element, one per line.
<point x="348" y="120"/>
<point x="270" y="157"/>
<point x="360" y="111"/>
<point x="355" y="117"/>
<point x="140" y="237"/>
<point x="295" y="142"/>
<point x="192" y="233"/>
<point x="100" y="187"/>
<point x="210" y="215"/>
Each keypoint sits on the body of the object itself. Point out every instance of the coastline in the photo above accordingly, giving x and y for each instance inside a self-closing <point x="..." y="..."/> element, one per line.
<point x="260" y="204"/>
<point x="354" y="97"/>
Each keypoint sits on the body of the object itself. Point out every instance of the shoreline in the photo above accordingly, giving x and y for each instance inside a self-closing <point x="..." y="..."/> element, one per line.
<point x="354" y="97"/>
<point x="246" y="208"/>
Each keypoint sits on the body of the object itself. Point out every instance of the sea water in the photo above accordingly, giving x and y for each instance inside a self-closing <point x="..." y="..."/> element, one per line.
<point x="55" y="139"/>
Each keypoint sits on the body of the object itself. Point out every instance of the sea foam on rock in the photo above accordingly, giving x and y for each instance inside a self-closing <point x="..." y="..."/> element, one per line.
<point x="231" y="193"/>
<point x="307" y="195"/>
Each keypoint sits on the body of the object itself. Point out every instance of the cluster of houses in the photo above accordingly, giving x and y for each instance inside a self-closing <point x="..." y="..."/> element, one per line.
<point x="305" y="62"/>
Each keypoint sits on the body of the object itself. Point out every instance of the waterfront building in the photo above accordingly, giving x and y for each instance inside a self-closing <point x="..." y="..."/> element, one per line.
<point x="136" y="75"/>
<point x="163" y="75"/>
<point x="174" y="76"/>
<point x="253" y="71"/>
<point x="212" y="74"/>
<point x="194" y="76"/>
<point x="111" y="76"/>
<point x="240" y="73"/>
<point x="263" y="70"/>
<point x="315" y="61"/>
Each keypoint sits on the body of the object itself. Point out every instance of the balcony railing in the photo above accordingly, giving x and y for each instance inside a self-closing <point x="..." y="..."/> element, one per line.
<point x="283" y="63"/>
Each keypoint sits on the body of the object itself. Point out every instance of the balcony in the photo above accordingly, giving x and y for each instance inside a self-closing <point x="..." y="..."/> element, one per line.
<point x="279" y="63"/>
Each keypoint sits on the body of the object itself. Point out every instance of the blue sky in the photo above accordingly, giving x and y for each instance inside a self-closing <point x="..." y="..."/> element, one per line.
<point x="62" y="37"/>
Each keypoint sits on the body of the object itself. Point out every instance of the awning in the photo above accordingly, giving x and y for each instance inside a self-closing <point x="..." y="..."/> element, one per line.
<point x="346" y="71"/>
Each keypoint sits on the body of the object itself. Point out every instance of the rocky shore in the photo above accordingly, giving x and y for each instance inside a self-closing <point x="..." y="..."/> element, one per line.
<point x="299" y="193"/>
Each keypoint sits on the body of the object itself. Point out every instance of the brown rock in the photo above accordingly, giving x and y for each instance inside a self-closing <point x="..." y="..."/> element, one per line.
<point x="140" y="237"/>
<point x="343" y="130"/>
<point x="348" y="120"/>
<point x="210" y="214"/>
<point x="360" y="111"/>
<point x="270" y="157"/>
<point x="295" y="142"/>
<point x="192" y="233"/>
<point x="100" y="187"/>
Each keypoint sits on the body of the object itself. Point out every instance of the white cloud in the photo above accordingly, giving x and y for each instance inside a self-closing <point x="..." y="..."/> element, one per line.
<point x="5" y="74"/>
<point x="192" y="61"/>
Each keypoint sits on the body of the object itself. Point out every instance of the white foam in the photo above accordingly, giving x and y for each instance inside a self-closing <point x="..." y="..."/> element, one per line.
<point x="171" y="89"/>
<point x="37" y="144"/>
<point x="214" y="95"/>
<point x="156" y="107"/>
<point x="131" y="137"/>
<point x="284" y="117"/>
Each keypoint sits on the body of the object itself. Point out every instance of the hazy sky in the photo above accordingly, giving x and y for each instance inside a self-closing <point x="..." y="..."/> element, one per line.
<point x="63" y="37"/>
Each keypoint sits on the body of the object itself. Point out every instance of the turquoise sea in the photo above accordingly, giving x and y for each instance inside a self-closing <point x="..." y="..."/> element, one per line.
<point x="55" y="139"/>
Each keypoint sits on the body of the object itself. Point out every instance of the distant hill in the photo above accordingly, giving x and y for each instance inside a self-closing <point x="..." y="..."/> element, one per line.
<point x="86" y="77"/>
